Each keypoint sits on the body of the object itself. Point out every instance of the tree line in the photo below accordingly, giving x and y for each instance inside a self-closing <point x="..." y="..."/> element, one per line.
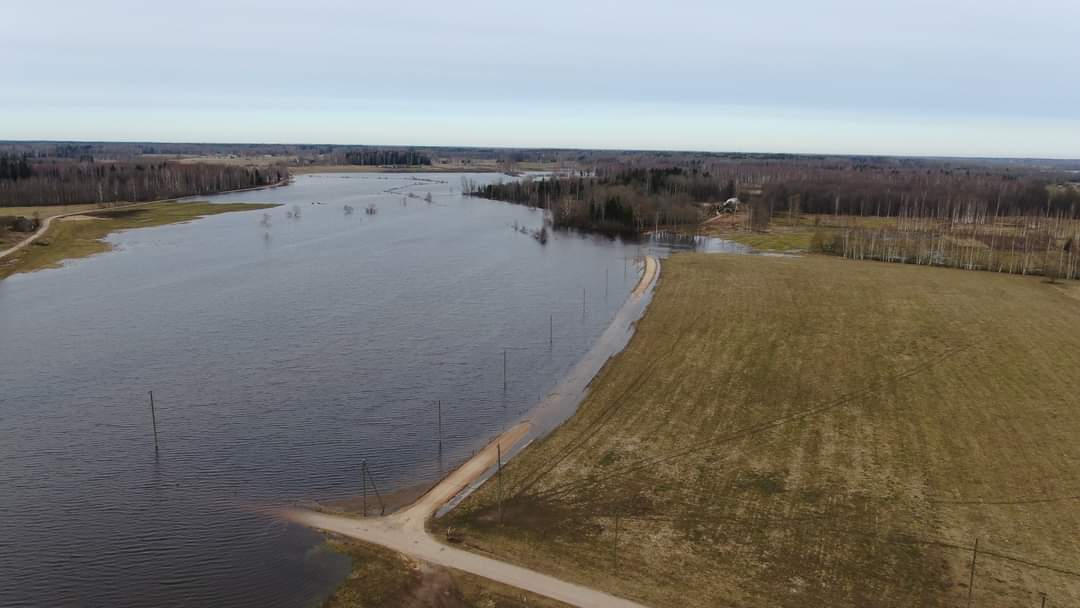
<point x="386" y="157"/>
<point x="14" y="167"/>
<point x="63" y="183"/>
<point x="637" y="193"/>
<point x="1039" y="244"/>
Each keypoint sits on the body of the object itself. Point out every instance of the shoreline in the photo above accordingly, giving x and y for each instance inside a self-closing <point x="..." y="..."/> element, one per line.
<point x="45" y="223"/>
<point x="562" y="396"/>
<point x="79" y="236"/>
<point x="406" y="531"/>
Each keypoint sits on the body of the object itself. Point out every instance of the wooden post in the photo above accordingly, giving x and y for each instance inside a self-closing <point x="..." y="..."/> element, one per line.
<point x="971" y="580"/>
<point x="363" y="483"/>
<point x="153" y="420"/>
<point x="1043" y="595"/>
<point x="615" y="545"/>
<point x="551" y="330"/>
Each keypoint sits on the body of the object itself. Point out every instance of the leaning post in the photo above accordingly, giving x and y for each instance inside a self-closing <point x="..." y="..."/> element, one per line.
<point x="153" y="420"/>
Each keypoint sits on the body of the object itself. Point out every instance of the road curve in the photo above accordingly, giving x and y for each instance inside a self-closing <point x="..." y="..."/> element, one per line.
<point x="30" y="239"/>
<point x="47" y="221"/>
<point x="406" y="532"/>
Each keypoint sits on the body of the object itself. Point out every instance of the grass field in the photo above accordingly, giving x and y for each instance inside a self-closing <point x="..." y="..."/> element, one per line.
<point x="815" y="432"/>
<point x="381" y="578"/>
<point x="69" y="238"/>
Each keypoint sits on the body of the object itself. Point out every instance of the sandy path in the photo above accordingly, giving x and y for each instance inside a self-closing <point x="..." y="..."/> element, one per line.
<point x="647" y="277"/>
<point x="405" y="531"/>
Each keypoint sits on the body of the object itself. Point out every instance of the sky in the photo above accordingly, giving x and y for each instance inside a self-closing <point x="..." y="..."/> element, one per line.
<point x="917" y="77"/>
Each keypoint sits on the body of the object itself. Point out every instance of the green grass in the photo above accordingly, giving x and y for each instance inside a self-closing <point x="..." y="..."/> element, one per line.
<point x="815" y="432"/>
<point x="381" y="578"/>
<point x="69" y="239"/>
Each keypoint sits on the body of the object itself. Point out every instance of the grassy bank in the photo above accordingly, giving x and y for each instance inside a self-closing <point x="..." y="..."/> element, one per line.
<point x="81" y="236"/>
<point x="382" y="578"/>
<point x="814" y="432"/>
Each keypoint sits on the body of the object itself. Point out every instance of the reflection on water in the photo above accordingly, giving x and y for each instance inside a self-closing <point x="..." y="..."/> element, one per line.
<point x="667" y="242"/>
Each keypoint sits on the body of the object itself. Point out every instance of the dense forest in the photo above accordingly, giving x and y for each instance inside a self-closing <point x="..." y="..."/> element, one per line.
<point x="386" y="157"/>
<point x="625" y="202"/>
<point x="623" y="197"/>
<point x="13" y="167"/>
<point x="66" y="182"/>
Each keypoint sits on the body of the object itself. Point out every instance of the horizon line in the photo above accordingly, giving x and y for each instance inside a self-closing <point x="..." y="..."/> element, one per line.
<point x="546" y="148"/>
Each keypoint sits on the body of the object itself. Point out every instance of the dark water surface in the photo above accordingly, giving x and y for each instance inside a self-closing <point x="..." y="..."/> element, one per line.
<point x="280" y="357"/>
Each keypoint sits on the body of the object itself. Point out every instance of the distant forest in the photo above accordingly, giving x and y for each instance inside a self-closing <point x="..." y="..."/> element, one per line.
<point x="70" y="182"/>
<point x="383" y="157"/>
<point x="623" y="197"/>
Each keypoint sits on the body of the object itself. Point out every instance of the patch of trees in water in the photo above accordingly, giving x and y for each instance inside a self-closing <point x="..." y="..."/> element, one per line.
<point x="622" y="204"/>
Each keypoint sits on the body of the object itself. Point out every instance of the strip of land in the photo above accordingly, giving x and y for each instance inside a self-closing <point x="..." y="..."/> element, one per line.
<point x="813" y="432"/>
<point x="406" y="531"/>
<point x="81" y="233"/>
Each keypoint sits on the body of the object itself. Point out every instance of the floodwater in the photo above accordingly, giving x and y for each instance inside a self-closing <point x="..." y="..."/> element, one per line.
<point x="282" y="352"/>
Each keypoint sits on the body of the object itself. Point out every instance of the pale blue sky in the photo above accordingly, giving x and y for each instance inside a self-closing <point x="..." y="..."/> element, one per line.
<point x="991" y="78"/>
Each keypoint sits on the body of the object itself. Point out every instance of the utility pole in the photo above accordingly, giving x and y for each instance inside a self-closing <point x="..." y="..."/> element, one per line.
<point x="971" y="581"/>
<point x="438" y="405"/>
<point x="153" y="420"/>
<point x="498" y="476"/>
<point x="382" y="505"/>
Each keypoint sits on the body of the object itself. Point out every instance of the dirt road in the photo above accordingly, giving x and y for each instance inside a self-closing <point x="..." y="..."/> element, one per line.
<point x="405" y="531"/>
<point x="30" y="239"/>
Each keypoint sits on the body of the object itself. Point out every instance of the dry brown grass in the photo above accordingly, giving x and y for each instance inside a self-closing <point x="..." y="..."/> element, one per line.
<point x="815" y="432"/>
<point x="381" y="578"/>
<point x="44" y="211"/>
